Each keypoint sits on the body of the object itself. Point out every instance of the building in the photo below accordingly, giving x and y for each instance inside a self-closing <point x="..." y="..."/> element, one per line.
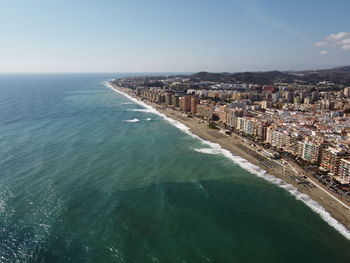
<point x="347" y="92"/>
<point x="308" y="100"/>
<point x="312" y="152"/>
<point x="278" y="139"/>
<point x="344" y="171"/>
<point x="265" y="104"/>
<point x="331" y="159"/>
<point x="169" y="99"/>
<point x="205" y="111"/>
<point x="222" y="113"/>
<point x="292" y="145"/>
<point x="261" y="131"/>
<point x="232" y="117"/>
<point x="240" y="124"/>
<point x="326" y="105"/>
<point x="185" y="103"/>
<point x="289" y="96"/>
<point x="139" y="90"/>
<point x="269" y="131"/>
<point x="297" y="100"/>
<point x="238" y="105"/>
<point x="250" y="127"/>
<point x="176" y="101"/>
<point x="300" y="148"/>
<point x="194" y="104"/>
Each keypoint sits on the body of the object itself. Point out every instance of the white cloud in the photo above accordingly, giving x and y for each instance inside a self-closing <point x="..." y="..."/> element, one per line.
<point x="323" y="52"/>
<point x="341" y="39"/>
<point x="338" y="36"/>
<point x="320" y="44"/>
<point x="345" y="41"/>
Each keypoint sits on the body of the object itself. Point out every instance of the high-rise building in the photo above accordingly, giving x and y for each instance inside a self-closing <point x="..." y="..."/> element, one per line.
<point x="222" y="113"/>
<point x="139" y="90"/>
<point x="278" y="139"/>
<point x="312" y="152"/>
<point x="185" y="102"/>
<point x="194" y="104"/>
<point x="250" y="127"/>
<point x="347" y="92"/>
<point x="269" y="131"/>
<point x="169" y="99"/>
<point x="331" y="159"/>
<point x="292" y="145"/>
<point x="176" y="101"/>
<point x="232" y="115"/>
<point x="344" y="171"/>
<point x="261" y="131"/>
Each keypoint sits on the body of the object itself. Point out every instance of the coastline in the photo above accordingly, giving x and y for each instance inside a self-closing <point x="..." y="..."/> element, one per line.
<point x="320" y="201"/>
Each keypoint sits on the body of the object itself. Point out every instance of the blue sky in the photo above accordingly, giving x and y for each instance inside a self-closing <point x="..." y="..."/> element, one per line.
<point x="172" y="36"/>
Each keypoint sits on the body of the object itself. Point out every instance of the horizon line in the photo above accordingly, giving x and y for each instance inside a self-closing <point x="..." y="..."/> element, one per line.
<point x="172" y="72"/>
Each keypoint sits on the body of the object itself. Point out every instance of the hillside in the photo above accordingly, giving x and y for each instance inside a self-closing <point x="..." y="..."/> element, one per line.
<point x="338" y="75"/>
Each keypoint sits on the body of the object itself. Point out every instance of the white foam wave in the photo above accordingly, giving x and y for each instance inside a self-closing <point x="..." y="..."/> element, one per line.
<point x="316" y="207"/>
<point x="133" y="120"/>
<point x="127" y="103"/>
<point x="148" y="119"/>
<point x="206" y="150"/>
<point x="141" y="110"/>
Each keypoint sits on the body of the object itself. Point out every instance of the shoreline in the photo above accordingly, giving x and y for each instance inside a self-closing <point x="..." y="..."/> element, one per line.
<point x="333" y="211"/>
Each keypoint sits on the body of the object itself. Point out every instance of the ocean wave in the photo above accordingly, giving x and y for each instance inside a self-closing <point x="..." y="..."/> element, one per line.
<point x="206" y="150"/>
<point x="127" y="103"/>
<point x="140" y="110"/>
<point x="252" y="168"/>
<point x="133" y="120"/>
<point x="148" y="119"/>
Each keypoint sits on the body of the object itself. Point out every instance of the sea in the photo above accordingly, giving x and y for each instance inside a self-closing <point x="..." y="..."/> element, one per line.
<point x="88" y="174"/>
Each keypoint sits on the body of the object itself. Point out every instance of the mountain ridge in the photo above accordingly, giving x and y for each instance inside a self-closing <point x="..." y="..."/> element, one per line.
<point x="337" y="75"/>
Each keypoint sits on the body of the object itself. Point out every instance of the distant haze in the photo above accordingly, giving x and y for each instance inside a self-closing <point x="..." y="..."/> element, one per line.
<point x="173" y="36"/>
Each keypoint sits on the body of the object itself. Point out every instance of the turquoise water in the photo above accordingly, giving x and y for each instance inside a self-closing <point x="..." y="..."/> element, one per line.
<point x="79" y="183"/>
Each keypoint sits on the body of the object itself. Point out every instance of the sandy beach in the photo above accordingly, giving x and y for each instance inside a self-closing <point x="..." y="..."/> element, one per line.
<point x="339" y="209"/>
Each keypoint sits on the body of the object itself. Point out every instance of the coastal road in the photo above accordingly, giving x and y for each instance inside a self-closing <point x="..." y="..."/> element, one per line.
<point x="319" y="186"/>
<point x="334" y="197"/>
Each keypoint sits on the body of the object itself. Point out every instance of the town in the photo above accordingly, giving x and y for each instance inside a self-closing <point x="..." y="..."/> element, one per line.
<point x="308" y="124"/>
